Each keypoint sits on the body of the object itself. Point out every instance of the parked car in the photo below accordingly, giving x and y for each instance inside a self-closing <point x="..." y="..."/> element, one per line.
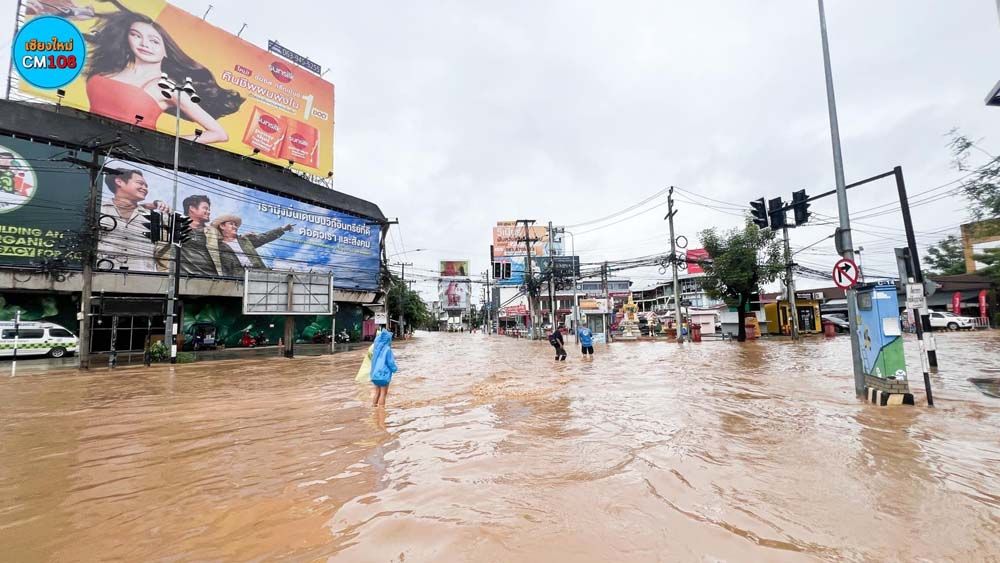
<point x="37" y="339"/>
<point x="951" y="321"/>
<point x="841" y="324"/>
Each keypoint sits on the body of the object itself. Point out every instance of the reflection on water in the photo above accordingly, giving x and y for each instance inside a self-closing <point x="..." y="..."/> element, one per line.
<point x="491" y="451"/>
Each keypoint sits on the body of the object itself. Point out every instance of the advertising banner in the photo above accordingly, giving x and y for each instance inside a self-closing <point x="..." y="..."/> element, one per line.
<point x="232" y="228"/>
<point x="516" y="278"/>
<point x="42" y="202"/>
<point x="565" y="266"/>
<point x="507" y="234"/>
<point x="454" y="294"/>
<point x="694" y="256"/>
<point x="110" y="59"/>
<point x="454" y="268"/>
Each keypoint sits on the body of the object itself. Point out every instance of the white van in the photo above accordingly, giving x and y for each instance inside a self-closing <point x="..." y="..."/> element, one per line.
<point x="36" y="339"/>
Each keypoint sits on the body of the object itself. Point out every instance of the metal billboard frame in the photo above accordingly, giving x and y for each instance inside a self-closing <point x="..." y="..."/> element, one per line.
<point x="273" y="292"/>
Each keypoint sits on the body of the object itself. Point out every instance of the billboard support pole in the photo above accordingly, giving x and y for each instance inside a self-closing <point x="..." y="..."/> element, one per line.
<point x="10" y="66"/>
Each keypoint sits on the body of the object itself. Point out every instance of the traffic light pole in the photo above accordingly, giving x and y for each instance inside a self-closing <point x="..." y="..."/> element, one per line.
<point x="845" y="218"/>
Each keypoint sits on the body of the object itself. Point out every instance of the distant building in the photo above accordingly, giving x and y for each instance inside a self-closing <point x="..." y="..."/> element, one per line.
<point x="977" y="237"/>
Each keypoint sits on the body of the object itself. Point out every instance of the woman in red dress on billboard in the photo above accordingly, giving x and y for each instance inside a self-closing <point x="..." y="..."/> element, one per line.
<point x="129" y="52"/>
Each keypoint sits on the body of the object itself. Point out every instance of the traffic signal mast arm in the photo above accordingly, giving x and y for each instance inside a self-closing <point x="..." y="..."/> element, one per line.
<point x="834" y="192"/>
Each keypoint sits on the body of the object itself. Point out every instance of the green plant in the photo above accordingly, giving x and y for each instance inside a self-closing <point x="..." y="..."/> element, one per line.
<point x="185" y="357"/>
<point x="158" y="352"/>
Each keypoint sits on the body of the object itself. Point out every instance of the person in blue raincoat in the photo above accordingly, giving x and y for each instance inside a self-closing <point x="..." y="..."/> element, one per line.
<point x="383" y="366"/>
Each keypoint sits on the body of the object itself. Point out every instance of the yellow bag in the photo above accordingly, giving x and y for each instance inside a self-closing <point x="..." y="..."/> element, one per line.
<point x="365" y="371"/>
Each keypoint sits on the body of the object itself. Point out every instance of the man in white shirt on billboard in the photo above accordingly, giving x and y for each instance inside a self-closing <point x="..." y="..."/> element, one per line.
<point x="126" y="246"/>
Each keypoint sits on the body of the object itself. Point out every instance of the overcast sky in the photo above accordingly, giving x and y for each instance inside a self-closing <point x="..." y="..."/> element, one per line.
<point x="452" y="115"/>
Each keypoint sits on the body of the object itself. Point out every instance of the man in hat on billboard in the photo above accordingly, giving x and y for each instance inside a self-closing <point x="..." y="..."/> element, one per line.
<point x="232" y="252"/>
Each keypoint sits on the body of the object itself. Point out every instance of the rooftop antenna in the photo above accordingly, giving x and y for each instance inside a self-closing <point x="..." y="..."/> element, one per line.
<point x="207" y="11"/>
<point x="241" y="30"/>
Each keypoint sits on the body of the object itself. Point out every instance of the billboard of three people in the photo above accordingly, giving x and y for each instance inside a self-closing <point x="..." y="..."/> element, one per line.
<point x="251" y="101"/>
<point x="232" y="228"/>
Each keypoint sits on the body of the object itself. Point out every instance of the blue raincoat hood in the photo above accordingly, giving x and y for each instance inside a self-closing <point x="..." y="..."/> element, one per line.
<point x="383" y="360"/>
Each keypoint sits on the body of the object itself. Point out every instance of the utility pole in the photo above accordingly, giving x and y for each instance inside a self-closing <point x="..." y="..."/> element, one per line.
<point x="529" y="280"/>
<point x="89" y="256"/>
<point x="402" y="277"/>
<point x="793" y="309"/>
<point x="90" y="240"/>
<point x="846" y="243"/>
<point x="552" y="281"/>
<point x="673" y="262"/>
<point x="489" y="295"/>
<point x="604" y="286"/>
<point x="920" y="317"/>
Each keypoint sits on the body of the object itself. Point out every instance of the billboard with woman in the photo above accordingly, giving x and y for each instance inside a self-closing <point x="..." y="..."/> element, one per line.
<point x="251" y="101"/>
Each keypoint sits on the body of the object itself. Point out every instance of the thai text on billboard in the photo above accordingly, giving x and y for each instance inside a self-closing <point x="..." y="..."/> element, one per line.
<point x="251" y="101"/>
<point x="508" y="239"/>
<point x="233" y="228"/>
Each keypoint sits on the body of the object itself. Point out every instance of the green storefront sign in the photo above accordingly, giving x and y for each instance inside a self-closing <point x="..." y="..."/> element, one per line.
<point x="42" y="202"/>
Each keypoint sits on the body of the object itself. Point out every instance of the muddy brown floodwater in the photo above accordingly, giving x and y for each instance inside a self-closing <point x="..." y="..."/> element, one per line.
<point x="490" y="451"/>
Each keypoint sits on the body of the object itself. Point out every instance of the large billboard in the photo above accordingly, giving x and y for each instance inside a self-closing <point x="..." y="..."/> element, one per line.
<point x="454" y="294"/>
<point x="694" y="259"/>
<point x="454" y="268"/>
<point x="508" y="240"/>
<point x="233" y="228"/>
<point x="251" y="101"/>
<point x="42" y="202"/>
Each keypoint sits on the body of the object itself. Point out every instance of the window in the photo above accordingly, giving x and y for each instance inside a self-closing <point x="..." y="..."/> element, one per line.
<point x="60" y="333"/>
<point x="36" y="333"/>
<point x="937" y="315"/>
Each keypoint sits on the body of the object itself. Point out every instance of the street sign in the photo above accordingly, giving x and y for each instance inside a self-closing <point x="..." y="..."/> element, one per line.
<point x="915" y="296"/>
<point x="845" y="273"/>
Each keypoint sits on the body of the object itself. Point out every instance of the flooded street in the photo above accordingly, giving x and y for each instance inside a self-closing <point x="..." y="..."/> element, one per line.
<point x="490" y="451"/>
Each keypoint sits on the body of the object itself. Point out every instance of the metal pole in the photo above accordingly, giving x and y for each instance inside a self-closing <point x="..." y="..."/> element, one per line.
<point x="673" y="262"/>
<point x="10" y="66"/>
<point x="845" y="219"/>
<point x="793" y="309"/>
<point x="576" y="300"/>
<point x="17" y="333"/>
<point x="171" y="333"/>
<point x="89" y="254"/>
<point x="552" y="282"/>
<point x="489" y="296"/>
<point x="919" y="316"/>
<point x="529" y="279"/>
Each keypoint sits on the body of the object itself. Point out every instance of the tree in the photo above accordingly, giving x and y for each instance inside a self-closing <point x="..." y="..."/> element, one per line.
<point x="991" y="258"/>
<point x="741" y="260"/>
<point x="981" y="183"/>
<point x="401" y="298"/>
<point x="947" y="258"/>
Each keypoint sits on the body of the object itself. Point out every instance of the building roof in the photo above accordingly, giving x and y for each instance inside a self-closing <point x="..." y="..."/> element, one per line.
<point x="77" y="129"/>
<point x="963" y="282"/>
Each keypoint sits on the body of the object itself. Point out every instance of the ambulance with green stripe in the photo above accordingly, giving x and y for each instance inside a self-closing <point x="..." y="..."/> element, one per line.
<point x="36" y="339"/>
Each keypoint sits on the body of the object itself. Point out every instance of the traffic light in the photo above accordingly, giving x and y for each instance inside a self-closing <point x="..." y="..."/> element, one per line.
<point x="497" y="270"/>
<point x="182" y="228"/>
<point x="759" y="211"/>
<point x="776" y="211"/>
<point x="154" y="226"/>
<point x="506" y="271"/>
<point x="800" y="207"/>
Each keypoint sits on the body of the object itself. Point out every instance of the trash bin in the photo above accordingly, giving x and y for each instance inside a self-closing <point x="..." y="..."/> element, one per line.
<point x="829" y="329"/>
<point x="695" y="333"/>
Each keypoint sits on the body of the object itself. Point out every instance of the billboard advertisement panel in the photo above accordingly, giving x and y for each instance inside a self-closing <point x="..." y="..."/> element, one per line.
<point x="506" y="235"/>
<point x="250" y="99"/>
<point x="694" y="256"/>
<point x="42" y="201"/>
<point x="454" y="294"/>
<point x="454" y="268"/>
<point x="233" y="228"/>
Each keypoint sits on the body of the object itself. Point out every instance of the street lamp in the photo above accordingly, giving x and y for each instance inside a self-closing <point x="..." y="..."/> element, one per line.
<point x="172" y="90"/>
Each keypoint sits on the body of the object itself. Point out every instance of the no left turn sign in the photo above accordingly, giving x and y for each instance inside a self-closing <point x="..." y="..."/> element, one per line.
<point x="845" y="273"/>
